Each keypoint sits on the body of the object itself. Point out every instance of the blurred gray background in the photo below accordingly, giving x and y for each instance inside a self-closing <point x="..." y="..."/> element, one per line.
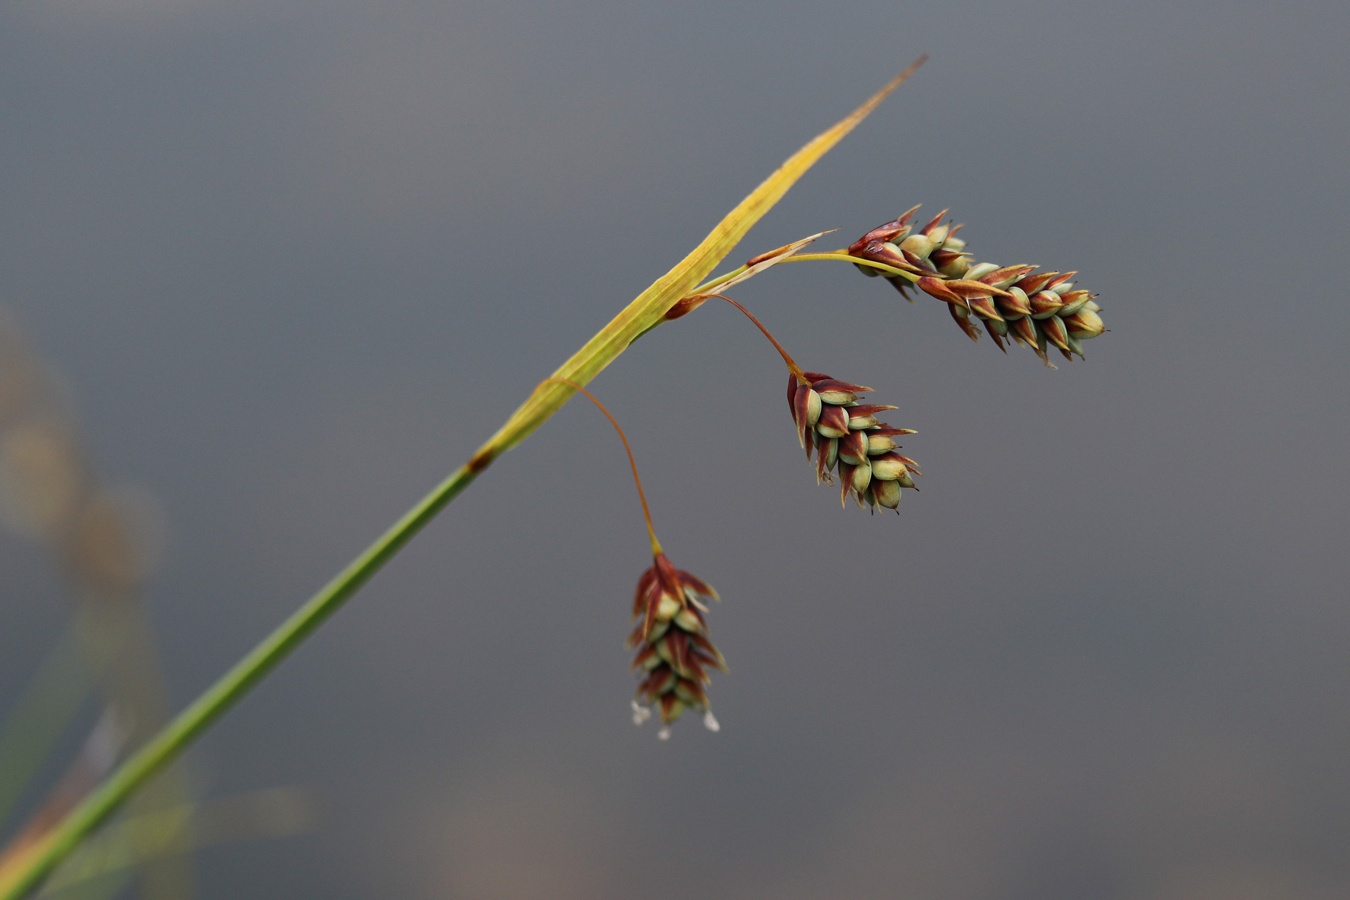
<point x="296" y="260"/>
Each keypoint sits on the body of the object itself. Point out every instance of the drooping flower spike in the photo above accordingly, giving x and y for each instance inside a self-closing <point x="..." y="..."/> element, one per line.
<point x="846" y="437"/>
<point x="843" y="433"/>
<point x="1038" y="309"/>
<point x="674" y="653"/>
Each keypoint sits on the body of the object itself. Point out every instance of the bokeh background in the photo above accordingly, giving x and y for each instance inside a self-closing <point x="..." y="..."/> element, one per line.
<point x="295" y="260"/>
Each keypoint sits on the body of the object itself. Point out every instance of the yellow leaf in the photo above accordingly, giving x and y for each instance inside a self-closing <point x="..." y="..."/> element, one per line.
<point x="651" y="305"/>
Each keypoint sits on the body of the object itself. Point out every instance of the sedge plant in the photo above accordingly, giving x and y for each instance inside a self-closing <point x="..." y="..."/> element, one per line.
<point x="1013" y="305"/>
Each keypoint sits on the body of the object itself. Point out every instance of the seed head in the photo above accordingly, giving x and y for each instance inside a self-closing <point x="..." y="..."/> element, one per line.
<point x="1039" y="309"/>
<point x="674" y="654"/>
<point x="847" y="437"/>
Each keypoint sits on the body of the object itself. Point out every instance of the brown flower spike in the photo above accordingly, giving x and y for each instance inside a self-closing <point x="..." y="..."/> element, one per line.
<point x="1038" y="309"/>
<point x="846" y="436"/>
<point x="673" y="649"/>
<point x="674" y="654"/>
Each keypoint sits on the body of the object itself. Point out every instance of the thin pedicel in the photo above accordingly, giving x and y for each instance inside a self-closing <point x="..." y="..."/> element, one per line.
<point x="674" y="652"/>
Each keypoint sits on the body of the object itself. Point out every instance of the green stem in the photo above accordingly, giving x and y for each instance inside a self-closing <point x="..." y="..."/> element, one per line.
<point x="646" y="311"/>
<point x="212" y="704"/>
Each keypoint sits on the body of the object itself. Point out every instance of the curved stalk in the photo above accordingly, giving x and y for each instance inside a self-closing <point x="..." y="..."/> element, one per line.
<point x="632" y="464"/>
<point x="791" y="363"/>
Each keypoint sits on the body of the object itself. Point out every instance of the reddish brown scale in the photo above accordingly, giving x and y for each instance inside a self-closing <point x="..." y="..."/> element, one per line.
<point x="863" y="410"/>
<point x="984" y="308"/>
<point x="709" y="652"/>
<point x="967" y="288"/>
<point x="917" y="264"/>
<point x="692" y="667"/>
<point x="698" y="614"/>
<point x="646" y="653"/>
<point x="1035" y="282"/>
<point x="934" y="222"/>
<point x="853" y="447"/>
<point x="1055" y="332"/>
<point x="845" y="481"/>
<point x="800" y="412"/>
<point x="826" y="456"/>
<point x="942" y="257"/>
<point x="882" y="233"/>
<point x="1045" y="303"/>
<point x="678" y="647"/>
<point x="822" y="383"/>
<point x="644" y="585"/>
<point x="1024" y="329"/>
<point x="936" y="287"/>
<point x="698" y="584"/>
<point x="877" y="251"/>
<point x="833" y="422"/>
<point x="657" y="683"/>
<point x="1012" y="306"/>
<point x="649" y="616"/>
<point x="1006" y="273"/>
